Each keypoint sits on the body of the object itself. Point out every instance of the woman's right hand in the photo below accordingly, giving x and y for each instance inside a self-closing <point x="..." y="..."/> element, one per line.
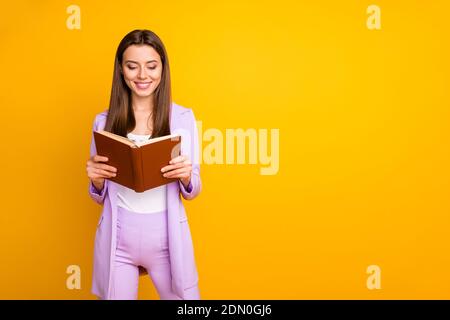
<point x="98" y="171"/>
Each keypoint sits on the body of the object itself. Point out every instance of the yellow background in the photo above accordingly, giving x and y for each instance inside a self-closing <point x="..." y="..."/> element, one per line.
<point x="364" y="143"/>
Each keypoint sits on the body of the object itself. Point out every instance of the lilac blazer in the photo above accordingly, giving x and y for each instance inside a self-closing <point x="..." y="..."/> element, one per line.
<point x="183" y="266"/>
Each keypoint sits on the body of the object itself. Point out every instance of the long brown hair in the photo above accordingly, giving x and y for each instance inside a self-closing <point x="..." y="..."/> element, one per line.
<point x="121" y="118"/>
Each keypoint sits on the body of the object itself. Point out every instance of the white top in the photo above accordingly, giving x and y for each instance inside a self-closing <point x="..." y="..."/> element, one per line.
<point x="149" y="201"/>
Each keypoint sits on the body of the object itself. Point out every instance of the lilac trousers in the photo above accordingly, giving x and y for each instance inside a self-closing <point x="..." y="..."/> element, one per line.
<point x="141" y="241"/>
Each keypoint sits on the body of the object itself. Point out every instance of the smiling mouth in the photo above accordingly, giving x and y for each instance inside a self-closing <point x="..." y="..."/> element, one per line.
<point x="142" y="85"/>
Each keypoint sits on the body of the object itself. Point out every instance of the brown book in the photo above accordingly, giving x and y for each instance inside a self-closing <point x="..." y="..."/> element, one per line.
<point x="138" y="163"/>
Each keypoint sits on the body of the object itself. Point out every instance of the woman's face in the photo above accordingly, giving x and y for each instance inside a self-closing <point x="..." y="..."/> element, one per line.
<point x="142" y="69"/>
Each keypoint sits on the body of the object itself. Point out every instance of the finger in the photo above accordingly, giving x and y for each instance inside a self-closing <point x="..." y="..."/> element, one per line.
<point x="179" y="158"/>
<point x="98" y="158"/>
<point x="104" y="173"/>
<point x="175" y="166"/>
<point x="96" y="173"/>
<point x="105" y="167"/>
<point x="100" y="165"/>
<point x="177" y="172"/>
<point x="180" y="175"/>
<point x="172" y="166"/>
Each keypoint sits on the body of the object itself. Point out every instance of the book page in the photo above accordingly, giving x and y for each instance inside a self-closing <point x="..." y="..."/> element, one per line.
<point x="142" y="143"/>
<point x="118" y="138"/>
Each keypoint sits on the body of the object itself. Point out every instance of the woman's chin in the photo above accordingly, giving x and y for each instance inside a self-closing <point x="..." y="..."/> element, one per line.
<point x="142" y="93"/>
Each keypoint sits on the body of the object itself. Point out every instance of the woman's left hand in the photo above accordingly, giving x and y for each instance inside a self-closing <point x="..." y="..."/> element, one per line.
<point x="179" y="167"/>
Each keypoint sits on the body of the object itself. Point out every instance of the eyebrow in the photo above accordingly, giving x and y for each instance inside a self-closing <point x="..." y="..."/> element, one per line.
<point x="137" y="62"/>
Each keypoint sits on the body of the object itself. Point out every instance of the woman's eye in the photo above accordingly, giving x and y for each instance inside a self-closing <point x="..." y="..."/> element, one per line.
<point x="132" y="68"/>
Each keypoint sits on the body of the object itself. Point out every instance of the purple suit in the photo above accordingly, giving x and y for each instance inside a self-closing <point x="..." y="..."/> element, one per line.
<point x="183" y="266"/>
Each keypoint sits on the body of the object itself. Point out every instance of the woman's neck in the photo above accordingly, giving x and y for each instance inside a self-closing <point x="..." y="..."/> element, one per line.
<point x="142" y="104"/>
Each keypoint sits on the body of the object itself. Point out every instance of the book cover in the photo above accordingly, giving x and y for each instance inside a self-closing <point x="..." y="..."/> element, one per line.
<point x="138" y="163"/>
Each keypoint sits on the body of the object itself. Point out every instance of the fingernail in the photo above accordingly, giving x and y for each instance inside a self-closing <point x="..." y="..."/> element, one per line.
<point x="162" y="170"/>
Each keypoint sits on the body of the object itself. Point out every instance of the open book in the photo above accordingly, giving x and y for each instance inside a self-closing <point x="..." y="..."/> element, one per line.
<point x="138" y="163"/>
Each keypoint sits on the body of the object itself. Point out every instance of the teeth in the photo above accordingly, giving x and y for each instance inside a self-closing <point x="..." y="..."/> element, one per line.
<point x="142" y="84"/>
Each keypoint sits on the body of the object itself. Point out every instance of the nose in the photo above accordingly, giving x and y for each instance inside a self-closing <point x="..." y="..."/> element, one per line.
<point x="142" y="74"/>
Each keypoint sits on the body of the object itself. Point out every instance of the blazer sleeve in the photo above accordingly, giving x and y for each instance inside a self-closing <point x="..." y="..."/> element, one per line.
<point x="97" y="196"/>
<point x="195" y="185"/>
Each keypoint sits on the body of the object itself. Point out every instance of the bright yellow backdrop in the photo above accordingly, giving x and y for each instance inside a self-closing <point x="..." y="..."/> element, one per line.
<point x="364" y="143"/>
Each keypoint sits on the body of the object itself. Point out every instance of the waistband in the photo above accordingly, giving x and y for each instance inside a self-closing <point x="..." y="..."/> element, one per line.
<point x="138" y="218"/>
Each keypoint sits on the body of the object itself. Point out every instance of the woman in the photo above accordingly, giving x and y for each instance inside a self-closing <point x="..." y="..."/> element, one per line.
<point x="148" y="232"/>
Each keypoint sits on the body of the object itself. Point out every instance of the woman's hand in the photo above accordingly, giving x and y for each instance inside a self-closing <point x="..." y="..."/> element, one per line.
<point x="98" y="172"/>
<point x="179" y="167"/>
